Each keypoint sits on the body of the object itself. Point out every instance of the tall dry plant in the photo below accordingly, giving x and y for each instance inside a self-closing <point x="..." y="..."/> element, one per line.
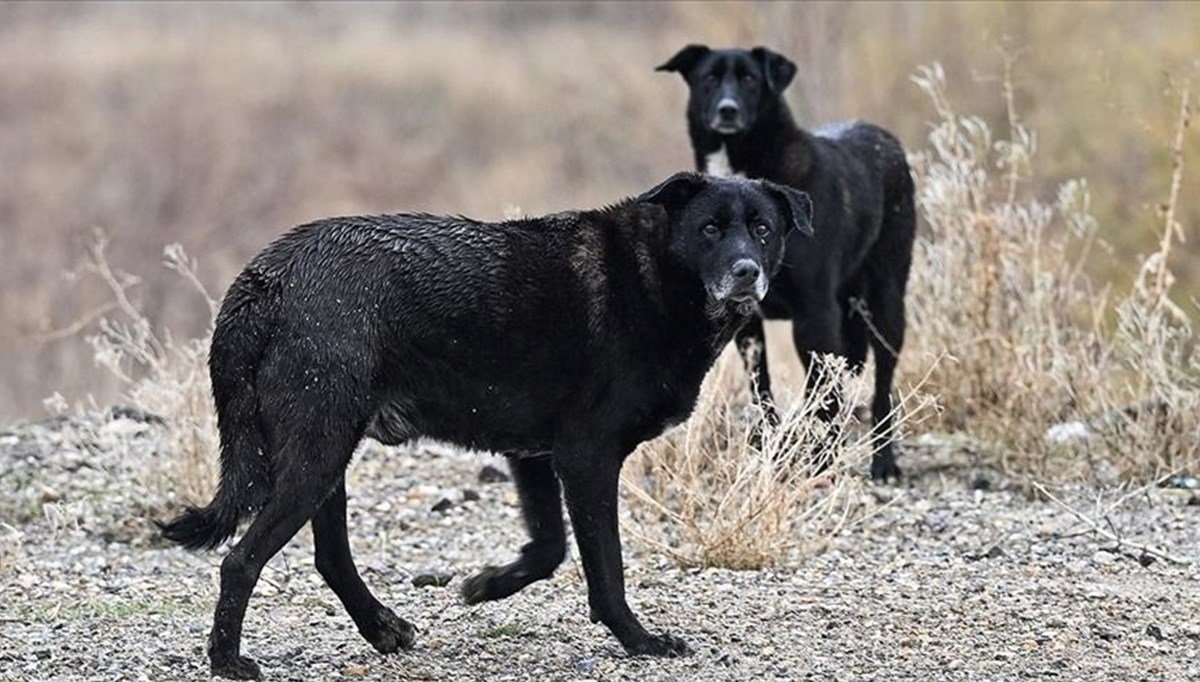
<point x="163" y="377"/>
<point x="1030" y="342"/>
<point x="707" y="494"/>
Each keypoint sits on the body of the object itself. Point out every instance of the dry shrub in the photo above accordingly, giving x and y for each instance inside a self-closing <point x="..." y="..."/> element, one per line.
<point x="705" y="495"/>
<point x="162" y="377"/>
<point x="999" y="288"/>
<point x="12" y="550"/>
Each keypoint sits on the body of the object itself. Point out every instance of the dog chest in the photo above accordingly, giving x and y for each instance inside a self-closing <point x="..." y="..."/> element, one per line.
<point x="717" y="164"/>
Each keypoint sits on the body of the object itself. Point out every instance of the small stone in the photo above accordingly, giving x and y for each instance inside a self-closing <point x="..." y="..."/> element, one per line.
<point x="442" y="505"/>
<point x="432" y="579"/>
<point x="1194" y="501"/>
<point x="354" y="670"/>
<point x="1145" y="559"/>
<point x="1154" y="631"/>
<point x="585" y="666"/>
<point x="490" y="474"/>
<point x="470" y="495"/>
<point x="992" y="552"/>
<point x="981" y="482"/>
<point x="1108" y="634"/>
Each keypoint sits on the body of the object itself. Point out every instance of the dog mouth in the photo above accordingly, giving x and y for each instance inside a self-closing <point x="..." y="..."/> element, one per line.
<point x="743" y="298"/>
<point x="740" y="295"/>
<point x="726" y="128"/>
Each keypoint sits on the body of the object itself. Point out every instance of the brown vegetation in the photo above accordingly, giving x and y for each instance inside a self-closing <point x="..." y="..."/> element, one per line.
<point x="219" y="125"/>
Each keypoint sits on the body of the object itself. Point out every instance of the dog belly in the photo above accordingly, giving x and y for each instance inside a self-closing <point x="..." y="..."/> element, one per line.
<point x="485" y="421"/>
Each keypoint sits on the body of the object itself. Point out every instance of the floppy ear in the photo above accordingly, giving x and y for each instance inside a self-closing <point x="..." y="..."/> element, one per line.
<point x="675" y="191"/>
<point x="685" y="60"/>
<point x="778" y="70"/>
<point x="795" y="204"/>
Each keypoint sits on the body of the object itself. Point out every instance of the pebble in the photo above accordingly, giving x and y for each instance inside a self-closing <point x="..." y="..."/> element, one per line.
<point x="491" y="474"/>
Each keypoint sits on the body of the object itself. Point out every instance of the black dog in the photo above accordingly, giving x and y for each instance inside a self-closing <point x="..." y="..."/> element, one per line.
<point x="567" y="339"/>
<point x="846" y="290"/>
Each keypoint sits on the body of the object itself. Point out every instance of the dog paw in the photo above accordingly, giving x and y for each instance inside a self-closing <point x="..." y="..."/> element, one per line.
<point x="662" y="646"/>
<point x="389" y="633"/>
<point x="236" y="668"/>
<point x="478" y="588"/>
<point x="884" y="468"/>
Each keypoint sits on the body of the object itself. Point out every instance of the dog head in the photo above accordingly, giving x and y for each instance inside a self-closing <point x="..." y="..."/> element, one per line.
<point x="731" y="231"/>
<point x="731" y="90"/>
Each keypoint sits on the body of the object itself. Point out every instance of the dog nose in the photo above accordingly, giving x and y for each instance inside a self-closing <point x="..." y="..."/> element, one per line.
<point x="727" y="109"/>
<point x="745" y="271"/>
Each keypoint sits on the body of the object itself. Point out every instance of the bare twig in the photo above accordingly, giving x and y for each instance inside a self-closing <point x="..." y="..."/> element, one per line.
<point x="74" y="328"/>
<point x="1113" y="537"/>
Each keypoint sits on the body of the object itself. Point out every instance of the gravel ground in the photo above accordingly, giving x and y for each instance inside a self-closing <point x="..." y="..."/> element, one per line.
<point x="944" y="581"/>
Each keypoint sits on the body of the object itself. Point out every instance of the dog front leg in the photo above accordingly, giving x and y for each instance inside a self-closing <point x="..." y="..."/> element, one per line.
<point x="541" y="508"/>
<point x="752" y="345"/>
<point x="820" y="333"/>
<point x="589" y="477"/>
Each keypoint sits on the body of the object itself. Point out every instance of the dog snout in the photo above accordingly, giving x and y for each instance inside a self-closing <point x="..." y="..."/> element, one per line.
<point x="745" y="272"/>
<point x="728" y="110"/>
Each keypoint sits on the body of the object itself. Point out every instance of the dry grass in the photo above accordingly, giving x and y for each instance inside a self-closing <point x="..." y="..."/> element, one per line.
<point x="706" y="495"/>
<point x="161" y="376"/>
<point x="1000" y="288"/>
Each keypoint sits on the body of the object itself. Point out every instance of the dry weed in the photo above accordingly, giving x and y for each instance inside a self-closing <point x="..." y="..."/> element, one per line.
<point x="706" y="495"/>
<point x="1000" y="289"/>
<point x="12" y="548"/>
<point x="161" y="376"/>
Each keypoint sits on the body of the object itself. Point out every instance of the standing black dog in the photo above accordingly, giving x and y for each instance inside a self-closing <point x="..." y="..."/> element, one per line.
<point x="846" y="290"/>
<point x="568" y="339"/>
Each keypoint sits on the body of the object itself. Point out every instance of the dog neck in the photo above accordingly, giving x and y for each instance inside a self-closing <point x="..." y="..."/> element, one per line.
<point x="775" y="148"/>
<point x="651" y="289"/>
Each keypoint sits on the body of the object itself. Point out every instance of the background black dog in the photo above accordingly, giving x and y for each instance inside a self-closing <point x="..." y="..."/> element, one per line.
<point x="846" y="290"/>
<point x="569" y="339"/>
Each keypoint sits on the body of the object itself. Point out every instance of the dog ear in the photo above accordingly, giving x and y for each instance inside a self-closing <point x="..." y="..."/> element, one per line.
<point x="675" y="191"/>
<point x="778" y="70"/>
<point x="795" y="204"/>
<point x="685" y="60"/>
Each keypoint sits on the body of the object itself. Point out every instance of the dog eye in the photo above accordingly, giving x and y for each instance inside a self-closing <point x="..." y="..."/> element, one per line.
<point x="711" y="230"/>
<point x="748" y="78"/>
<point x="710" y="78"/>
<point x="762" y="230"/>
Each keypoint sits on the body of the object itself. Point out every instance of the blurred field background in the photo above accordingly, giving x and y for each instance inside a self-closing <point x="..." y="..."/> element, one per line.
<point x="218" y="126"/>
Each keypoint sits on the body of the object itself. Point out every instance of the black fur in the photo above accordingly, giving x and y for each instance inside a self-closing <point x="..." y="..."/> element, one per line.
<point x="564" y="341"/>
<point x="845" y="291"/>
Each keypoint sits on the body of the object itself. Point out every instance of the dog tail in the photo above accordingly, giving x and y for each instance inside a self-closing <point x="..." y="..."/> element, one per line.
<point x="239" y="340"/>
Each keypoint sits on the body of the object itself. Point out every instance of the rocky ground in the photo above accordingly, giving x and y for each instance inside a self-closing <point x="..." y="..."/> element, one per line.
<point x="943" y="581"/>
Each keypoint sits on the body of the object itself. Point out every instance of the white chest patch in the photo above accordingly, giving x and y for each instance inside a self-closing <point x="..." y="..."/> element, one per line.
<point x="717" y="165"/>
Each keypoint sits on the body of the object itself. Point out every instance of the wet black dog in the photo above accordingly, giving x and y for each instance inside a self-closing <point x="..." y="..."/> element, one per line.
<point x="567" y="339"/>
<point x="846" y="290"/>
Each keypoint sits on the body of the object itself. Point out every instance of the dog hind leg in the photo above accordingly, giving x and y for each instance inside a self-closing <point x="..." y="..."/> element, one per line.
<point x="312" y="441"/>
<point x="887" y="273"/>
<point x="378" y="624"/>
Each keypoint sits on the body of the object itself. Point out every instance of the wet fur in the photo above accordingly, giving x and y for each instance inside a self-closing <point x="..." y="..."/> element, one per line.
<point x="564" y="341"/>
<point x="864" y="219"/>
